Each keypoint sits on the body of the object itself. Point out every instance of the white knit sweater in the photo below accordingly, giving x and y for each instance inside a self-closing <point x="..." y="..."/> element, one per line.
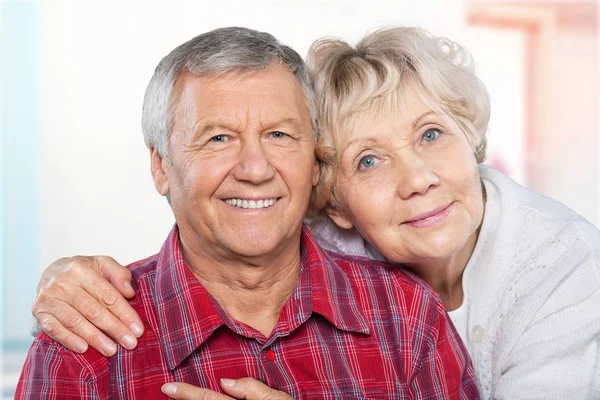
<point x="531" y="310"/>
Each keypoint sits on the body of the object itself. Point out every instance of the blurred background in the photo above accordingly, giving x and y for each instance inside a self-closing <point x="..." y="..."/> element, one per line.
<point x="74" y="172"/>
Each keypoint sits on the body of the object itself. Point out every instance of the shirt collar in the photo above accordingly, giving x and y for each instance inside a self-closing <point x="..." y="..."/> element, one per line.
<point x="326" y="285"/>
<point x="187" y="315"/>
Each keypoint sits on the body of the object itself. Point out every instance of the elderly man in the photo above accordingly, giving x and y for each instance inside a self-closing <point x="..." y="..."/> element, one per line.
<point x="239" y="287"/>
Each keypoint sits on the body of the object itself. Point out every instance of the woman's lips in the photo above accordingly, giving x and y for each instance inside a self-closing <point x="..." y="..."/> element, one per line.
<point x="430" y="218"/>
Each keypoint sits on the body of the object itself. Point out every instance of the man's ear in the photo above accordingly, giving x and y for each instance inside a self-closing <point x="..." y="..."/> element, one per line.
<point x="339" y="218"/>
<point x="161" y="183"/>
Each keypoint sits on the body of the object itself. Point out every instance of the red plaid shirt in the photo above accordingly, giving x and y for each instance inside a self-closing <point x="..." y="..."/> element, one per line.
<point x="353" y="328"/>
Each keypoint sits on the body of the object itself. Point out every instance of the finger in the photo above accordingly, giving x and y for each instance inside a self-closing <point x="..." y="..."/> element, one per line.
<point x="72" y="321"/>
<point x="96" y="313"/>
<point x="53" y="328"/>
<point x="115" y="273"/>
<point x="116" y="307"/>
<point x="184" y="391"/>
<point x="64" y="274"/>
<point x="251" y="389"/>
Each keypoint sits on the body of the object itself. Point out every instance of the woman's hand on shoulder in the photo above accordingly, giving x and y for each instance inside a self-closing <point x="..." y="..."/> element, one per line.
<point x="79" y="299"/>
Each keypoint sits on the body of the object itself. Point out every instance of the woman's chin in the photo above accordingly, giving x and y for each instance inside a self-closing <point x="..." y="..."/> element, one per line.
<point x="424" y="248"/>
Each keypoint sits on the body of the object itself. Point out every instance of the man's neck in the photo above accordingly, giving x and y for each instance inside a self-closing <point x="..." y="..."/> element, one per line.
<point x="252" y="292"/>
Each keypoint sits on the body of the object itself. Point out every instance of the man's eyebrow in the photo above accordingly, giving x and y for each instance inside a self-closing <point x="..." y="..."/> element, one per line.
<point x="425" y="114"/>
<point x="206" y="126"/>
<point x="202" y="128"/>
<point x="294" y="121"/>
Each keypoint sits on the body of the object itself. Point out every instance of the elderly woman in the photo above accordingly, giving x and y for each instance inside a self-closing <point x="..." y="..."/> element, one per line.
<point x="403" y="121"/>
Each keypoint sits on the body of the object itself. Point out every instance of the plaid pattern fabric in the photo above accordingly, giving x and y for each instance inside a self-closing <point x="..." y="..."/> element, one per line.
<point x="352" y="329"/>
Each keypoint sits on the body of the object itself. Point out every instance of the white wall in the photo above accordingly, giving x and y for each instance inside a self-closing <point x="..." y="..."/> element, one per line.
<point x="499" y="56"/>
<point x="572" y="168"/>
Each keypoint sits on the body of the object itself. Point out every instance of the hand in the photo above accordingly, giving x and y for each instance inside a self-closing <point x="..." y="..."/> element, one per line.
<point x="245" y="388"/>
<point x="77" y="297"/>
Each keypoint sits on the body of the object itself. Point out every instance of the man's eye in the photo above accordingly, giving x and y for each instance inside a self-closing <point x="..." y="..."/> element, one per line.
<point x="278" y="134"/>
<point x="367" y="162"/>
<point x="431" y="134"/>
<point x="218" y="138"/>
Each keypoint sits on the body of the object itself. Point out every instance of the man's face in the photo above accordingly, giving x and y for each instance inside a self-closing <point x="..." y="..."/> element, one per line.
<point x="241" y="165"/>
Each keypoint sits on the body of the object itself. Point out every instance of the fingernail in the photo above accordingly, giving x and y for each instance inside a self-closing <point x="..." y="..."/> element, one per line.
<point x="129" y="342"/>
<point x="136" y="329"/>
<point x="108" y="348"/>
<point x="81" y="347"/>
<point x="127" y="285"/>
<point x="169" y="389"/>
<point x="228" y="382"/>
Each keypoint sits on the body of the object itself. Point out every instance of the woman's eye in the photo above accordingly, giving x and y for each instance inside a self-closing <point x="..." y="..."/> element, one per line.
<point x="431" y="134"/>
<point x="218" y="138"/>
<point x="367" y="162"/>
<point x="278" y="134"/>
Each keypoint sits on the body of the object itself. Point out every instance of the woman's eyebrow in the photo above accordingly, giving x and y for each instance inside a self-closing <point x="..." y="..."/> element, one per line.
<point x="364" y="141"/>
<point x="425" y="114"/>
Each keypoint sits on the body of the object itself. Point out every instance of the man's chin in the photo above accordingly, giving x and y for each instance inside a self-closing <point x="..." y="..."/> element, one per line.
<point x="256" y="245"/>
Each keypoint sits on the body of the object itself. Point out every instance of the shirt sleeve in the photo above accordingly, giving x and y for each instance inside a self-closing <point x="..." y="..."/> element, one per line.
<point x="557" y="356"/>
<point x="52" y="372"/>
<point x="446" y="370"/>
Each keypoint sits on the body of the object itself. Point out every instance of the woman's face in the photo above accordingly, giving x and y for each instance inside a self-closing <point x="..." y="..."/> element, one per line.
<point x="409" y="184"/>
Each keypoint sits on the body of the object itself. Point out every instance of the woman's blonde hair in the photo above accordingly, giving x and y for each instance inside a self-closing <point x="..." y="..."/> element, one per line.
<point x="376" y="73"/>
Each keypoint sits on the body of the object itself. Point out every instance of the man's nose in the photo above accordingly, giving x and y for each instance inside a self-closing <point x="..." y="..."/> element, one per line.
<point x="415" y="176"/>
<point x="254" y="165"/>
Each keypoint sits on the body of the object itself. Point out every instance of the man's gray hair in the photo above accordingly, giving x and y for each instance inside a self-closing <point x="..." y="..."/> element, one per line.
<point x="221" y="51"/>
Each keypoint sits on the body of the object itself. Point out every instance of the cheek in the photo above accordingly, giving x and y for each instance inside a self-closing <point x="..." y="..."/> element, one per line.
<point x="466" y="184"/>
<point x="202" y="176"/>
<point x="457" y="164"/>
<point x="477" y="200"/>
<point x="297" y="168"/>
<point x="369" y="203"/>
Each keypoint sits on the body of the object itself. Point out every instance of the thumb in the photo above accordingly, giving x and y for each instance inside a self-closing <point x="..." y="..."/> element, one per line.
<point x="118" y="275"/>
<point x="251" y="389"/>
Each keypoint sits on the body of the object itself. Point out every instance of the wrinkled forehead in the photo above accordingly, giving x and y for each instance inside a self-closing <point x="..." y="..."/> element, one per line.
<point x="273" y="94"/>
<point x="408" y="99"/>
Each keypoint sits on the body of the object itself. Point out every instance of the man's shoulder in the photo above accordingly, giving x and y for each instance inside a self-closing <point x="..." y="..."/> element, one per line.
<point x="143" y="279"/>
<point x="386" y="279"/>
<point x="142" y="268"/>
<point x="383" y="269"/>
<point x="46" y="348"/>
<point x="143" y="276"/>
<point x="51" y="369"/>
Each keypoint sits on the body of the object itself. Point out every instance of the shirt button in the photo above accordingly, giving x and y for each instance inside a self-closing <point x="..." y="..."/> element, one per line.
<point x="270" y="355"/>
<point x="478" y="333"/>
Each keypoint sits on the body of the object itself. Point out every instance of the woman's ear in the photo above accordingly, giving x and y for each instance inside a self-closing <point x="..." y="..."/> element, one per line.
<point x="339" y="218"/>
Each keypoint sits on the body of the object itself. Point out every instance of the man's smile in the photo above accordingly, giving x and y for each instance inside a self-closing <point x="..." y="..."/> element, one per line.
<point x="247" y="203"/>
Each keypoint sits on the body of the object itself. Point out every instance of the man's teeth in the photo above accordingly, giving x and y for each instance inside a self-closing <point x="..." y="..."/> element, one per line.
<point x="250" y="203"/>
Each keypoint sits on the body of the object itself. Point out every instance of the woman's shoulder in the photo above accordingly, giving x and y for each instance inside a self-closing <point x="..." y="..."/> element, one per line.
<point x="532" y="218"/>
<point x="337" y="240"/>
<point x="541" y="277"/>
<point x="538" y="245"/>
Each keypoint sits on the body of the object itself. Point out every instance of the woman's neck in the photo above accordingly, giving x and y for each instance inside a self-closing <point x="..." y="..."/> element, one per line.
<point x="445" y="275"/>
